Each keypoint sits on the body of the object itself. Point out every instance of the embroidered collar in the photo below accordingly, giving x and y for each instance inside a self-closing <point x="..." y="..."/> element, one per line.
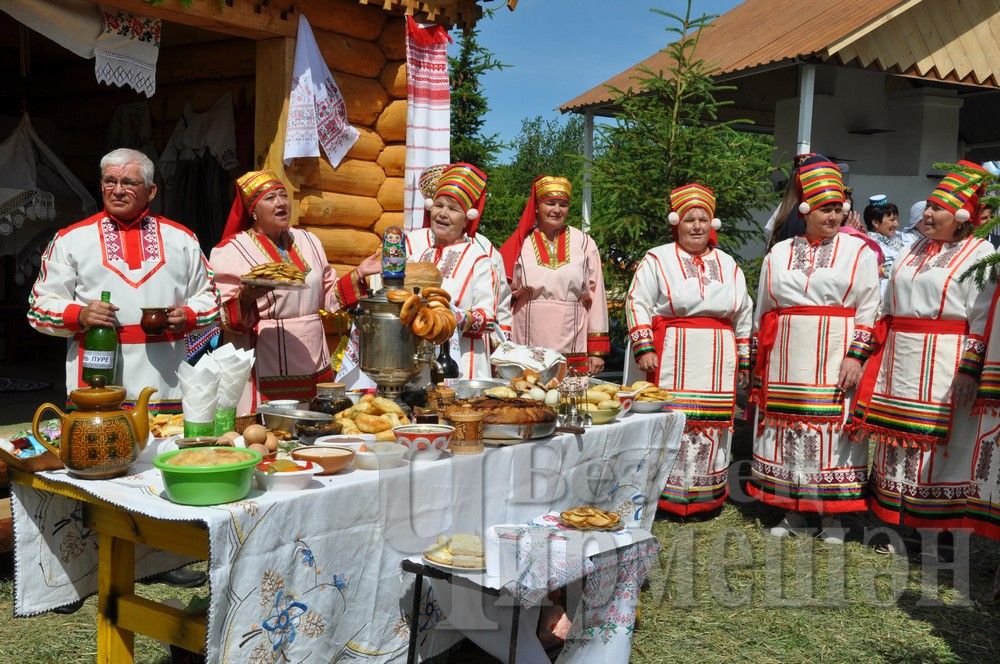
<point x="127" y="224"/>
<point x="276" y="254"/>
<point x="552" y="255"/>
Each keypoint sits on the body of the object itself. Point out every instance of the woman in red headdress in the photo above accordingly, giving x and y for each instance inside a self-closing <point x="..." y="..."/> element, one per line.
<point x="689" y="319"/>
<point x="283" y="326"/>
<point x="555" y="275"/>
<point x="915" y="399"/>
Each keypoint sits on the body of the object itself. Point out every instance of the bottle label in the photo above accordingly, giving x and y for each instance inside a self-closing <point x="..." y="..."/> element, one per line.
<point x="98" y="359"/>
<point x="450" y="382"/>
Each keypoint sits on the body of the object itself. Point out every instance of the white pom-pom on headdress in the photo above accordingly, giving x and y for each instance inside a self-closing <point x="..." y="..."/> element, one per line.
<point x="847" y="206"/>
<point x="428" y="203"/>
<point x="674" y="218"/>
<point x="804" y="208"/>
<point x="472" y="214"/>
<point x="962" y="215"/>
<point x="716" y="224"/>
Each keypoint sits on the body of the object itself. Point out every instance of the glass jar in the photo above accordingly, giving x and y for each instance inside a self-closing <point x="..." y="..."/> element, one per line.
<point x="331" y="398"/>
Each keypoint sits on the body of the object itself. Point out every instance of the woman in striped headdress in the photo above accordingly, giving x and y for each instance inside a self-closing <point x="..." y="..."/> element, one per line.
<point x="816" y="308"/>
<point x="915" y="398"/>
<point x="689" y="319"/>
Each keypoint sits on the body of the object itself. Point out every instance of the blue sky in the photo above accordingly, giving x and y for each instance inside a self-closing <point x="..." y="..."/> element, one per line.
<point x="558" y="49"/>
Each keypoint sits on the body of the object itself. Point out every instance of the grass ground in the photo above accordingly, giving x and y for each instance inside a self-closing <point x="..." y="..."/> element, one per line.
<point x="724" y="591"/>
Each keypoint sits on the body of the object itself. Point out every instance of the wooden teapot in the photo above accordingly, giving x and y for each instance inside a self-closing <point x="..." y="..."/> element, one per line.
<point x="100" y="439"/>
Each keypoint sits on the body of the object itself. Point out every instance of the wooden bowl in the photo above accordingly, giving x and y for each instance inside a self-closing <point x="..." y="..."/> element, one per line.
<point x="331" y="459"/>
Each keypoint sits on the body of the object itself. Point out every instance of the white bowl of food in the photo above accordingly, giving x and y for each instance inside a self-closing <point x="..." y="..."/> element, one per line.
<point x="424" y="442"/>
<point x="284" y="474"/>
<point x="378" y="455"/>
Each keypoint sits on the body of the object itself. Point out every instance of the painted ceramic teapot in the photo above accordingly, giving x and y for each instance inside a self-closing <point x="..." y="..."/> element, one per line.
<point x="100" y="439"/>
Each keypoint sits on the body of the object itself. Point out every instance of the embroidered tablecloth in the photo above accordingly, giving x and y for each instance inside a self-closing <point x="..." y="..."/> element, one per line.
<point x="314" y="575"/>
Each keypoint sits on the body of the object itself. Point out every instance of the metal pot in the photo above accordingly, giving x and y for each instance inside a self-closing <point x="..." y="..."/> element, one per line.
<point x="387" y="347"/>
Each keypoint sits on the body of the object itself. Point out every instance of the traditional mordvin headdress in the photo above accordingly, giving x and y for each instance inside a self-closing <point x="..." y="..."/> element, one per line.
<point x="544" y="186"/>
<point x="429" y="179"/>
<point x="250" y="188"/>
<point x="960" y="192"/>
<point x="689" y="197"/>
<point x="467" y="185"/>
<point x="819" y="182"/>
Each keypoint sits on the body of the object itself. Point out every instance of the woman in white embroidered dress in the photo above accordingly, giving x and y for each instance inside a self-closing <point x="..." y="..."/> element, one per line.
<point x="555" y="275"/>
<point x="816" y="306"/>
<point x="282" y="326"/>
<point x="915" y="402"/>
<point x="467" y="272"/>
<point x="689" y="318"/>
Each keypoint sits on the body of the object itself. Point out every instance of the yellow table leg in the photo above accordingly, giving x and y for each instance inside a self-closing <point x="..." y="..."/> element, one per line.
<point x="115" y="578"/>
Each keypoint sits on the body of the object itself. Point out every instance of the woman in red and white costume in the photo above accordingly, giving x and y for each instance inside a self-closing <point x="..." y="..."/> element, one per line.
<point x="816" y="308"/>
<point x="916" y="397"/>
<point x="689" y="318"/>
<point x="282" y="326"/>
<point x="555" y="274"/>
<point x="453" y="214"/>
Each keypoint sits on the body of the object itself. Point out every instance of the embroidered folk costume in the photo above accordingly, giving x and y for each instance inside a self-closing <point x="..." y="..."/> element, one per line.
<point x="284" y="326"/>
<point x="466" y="269"/>
<point x="694" y="313"/>
<point x="816" y="305"/>
<point x="149" y="262"/>
<point x="935" y="324"/>
<point x="568" y="308"/>
<point x="982" y="509"/>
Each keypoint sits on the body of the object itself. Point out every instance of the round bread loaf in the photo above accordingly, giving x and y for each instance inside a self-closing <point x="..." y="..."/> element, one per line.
<point x="423" y="275"/>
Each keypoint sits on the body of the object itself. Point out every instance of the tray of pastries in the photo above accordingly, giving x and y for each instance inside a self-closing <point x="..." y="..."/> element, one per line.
<point x="508" y="418"/>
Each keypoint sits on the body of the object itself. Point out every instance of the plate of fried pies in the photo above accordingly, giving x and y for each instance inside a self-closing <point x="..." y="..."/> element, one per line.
<point x="284" y="276"/>
<point x="587" y="517"/>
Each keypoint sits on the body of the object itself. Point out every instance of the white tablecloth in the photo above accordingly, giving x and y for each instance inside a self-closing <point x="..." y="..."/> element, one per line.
<point x="314" y="573"/>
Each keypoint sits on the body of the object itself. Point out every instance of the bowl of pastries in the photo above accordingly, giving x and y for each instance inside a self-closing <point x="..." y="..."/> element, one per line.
<point x="374" y="415"/>
<point x="587" y="517"/>
<point x="648" y="398"/>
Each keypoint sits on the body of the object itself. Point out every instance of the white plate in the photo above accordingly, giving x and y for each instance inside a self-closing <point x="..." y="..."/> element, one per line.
<point x="277" y="285"/>
<point x="452" y="568"/>
<point x="648" y="406"/>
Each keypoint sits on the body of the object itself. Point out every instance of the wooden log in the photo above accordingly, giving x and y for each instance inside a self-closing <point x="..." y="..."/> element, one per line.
<point x="390" y="195"/>
<point x="388" y="219"/>
<point x="368" y="146"/>
<point x="365" y="97"/>
<point x="326" y="209"/>
<point x="353" y="176"/>
<point x="346" y="245"/>
<point x="274" y="78"/>
<point x="392" y="41"/>
<point x="349" y="54"/>
<point x="348" y="18"/>
<point x="391" y="124"/>
<point x="392" y="159"/>
<point x="393" y="78"/>
<point x="231" y="58"/>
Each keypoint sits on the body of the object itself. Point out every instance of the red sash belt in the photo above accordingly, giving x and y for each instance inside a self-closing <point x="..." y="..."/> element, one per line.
<point x="767" y="334"/>
<point x="899" y="324"/>
<point x="660" y="325"/>
<point x="134" y="334"/>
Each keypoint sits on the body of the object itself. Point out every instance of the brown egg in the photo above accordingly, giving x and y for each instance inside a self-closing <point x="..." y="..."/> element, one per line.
<point x="258" y="447"/>
<point x="271" y="442"/>
<point x="255" y="434"/>
<point x="227" y="438"/>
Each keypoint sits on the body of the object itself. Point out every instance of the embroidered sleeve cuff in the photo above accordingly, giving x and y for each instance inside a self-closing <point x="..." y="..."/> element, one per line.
<point x="598" y="344"/>
<point x="971" y="363"/>
<point x="476" y="323"/>
<point x="641" y="337"/>
<point x="863" y="344"/>
<point x="743" y="354"/>
<point x="190" y="320"/>
<point x="350" y="288"/>
<point x="232" y="318"/>
<point x="71" y="317"/>
<point x="753" y="351"/>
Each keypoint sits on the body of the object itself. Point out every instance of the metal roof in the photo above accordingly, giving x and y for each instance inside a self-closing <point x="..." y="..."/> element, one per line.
<point x="948" y="40"/>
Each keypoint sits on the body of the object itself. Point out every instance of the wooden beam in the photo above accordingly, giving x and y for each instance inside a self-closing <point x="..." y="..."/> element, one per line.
<point x="872" y="25"/>
<point x="273" y="83"/>
<point x="250" y="19"/>
<point x="183" y="537"/>
<point x="115" y="578"/>
<point x="162" y="622"/>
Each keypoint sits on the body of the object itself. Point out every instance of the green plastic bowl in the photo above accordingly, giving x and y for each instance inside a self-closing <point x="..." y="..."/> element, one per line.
<point x="208" y="485"/>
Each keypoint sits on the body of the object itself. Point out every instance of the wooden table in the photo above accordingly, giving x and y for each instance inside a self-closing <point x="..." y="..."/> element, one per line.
<point x="120" y="612"/>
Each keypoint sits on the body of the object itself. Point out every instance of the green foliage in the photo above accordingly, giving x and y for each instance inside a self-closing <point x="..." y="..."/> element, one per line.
<point x="544" y="147"/>
<point x="469" y="104"/>
<point x="668" y="134"/>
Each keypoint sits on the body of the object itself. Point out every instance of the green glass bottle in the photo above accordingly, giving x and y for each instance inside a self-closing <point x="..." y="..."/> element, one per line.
<point x="100" y="350"/>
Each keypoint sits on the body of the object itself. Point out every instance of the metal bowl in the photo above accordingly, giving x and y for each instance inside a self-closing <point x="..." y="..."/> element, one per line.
<point x="518" y="431"/>
<point x="466" y="389"/>
<point x="285" y="419"/>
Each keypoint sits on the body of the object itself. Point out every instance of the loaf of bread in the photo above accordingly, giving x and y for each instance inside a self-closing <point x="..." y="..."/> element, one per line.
<point x="423" y="275"/>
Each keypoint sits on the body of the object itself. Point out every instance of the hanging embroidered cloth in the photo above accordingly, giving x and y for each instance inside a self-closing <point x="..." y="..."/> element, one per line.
<point x="125" y="54"/>
<point x="428" y="111"/>
<point x="317" y="114"/>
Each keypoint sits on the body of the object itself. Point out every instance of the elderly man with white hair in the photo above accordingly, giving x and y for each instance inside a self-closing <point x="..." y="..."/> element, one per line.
<point x="142" y="260"/>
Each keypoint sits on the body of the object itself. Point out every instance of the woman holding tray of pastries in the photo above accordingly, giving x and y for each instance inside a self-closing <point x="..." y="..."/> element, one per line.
<point x="555" y="274"/>
<point x="467" y="274"/>
<point x="816" y="307"/>
<point x="689" y="318"/>
<point x="915" y="398"/>
<point x="281" y="321"/>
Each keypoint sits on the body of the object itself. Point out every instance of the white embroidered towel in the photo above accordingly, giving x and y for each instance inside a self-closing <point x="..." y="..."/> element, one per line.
<point x="126" y="51"/>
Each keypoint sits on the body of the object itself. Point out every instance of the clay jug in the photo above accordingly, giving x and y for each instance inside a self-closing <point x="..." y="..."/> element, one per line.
<point x="99" y="440"/>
